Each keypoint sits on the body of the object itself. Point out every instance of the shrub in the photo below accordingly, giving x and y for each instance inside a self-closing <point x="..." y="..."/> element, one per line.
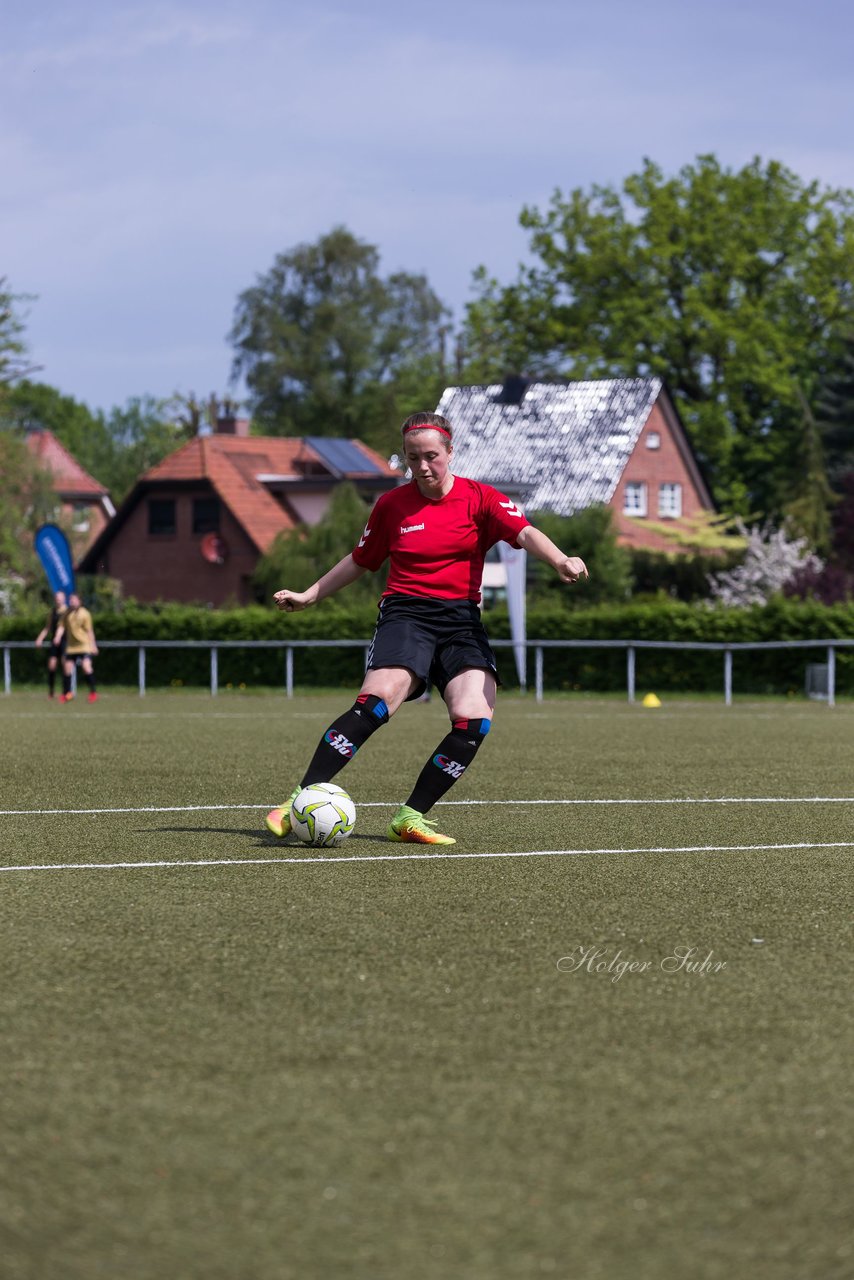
<point x="586" y="669"/>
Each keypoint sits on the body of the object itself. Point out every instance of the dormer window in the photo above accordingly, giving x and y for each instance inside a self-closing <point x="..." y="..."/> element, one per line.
<point x="653" y="440"/>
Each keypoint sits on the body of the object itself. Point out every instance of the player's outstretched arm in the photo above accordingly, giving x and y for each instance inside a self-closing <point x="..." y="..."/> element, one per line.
<point x="340" y="575"/>
<point x="568" y="568"/>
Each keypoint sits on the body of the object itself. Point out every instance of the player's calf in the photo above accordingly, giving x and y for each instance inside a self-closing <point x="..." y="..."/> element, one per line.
<point x="345" y="736"/>
<point x="448" y="763"/>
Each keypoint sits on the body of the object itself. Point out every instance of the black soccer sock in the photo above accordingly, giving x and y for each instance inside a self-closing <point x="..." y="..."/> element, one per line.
<point x="344" y="737"/>
<point x="51" y="682"/>
<point x="452" y="757"/>
<point x="90" y="680"/>
<point x="66" y="685"/>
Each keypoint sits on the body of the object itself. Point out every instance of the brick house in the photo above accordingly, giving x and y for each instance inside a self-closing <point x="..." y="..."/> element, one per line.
<point x="84" y="506"/>
<point x="195" y="525"/>
<point x="562" y="447"/>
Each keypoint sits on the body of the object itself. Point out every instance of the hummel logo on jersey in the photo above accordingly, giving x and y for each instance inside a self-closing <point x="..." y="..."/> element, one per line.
<point x="411" y="528"/>
<point x="452" y="767"/>
<point x="364" y="536"/>
<point x="512" y="509"/>
<point x="338" y="742"/>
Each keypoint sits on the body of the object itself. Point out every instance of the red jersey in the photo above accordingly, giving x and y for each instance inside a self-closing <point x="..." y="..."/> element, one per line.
<point x="437" y="546"/>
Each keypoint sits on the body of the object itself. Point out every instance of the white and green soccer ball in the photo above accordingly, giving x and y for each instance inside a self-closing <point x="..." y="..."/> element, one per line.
<point x="323" y="815"/>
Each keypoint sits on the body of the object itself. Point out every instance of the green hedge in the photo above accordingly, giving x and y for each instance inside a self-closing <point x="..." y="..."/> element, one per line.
<point x="253" y="667"/>
<point x="753" y="672"/>
<point x="779" y="671"/>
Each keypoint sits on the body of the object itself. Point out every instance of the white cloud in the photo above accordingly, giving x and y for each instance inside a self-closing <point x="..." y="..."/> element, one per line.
<point x="119" y="36"/>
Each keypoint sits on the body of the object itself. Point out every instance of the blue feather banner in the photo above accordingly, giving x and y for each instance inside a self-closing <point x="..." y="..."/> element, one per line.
<point x="55" y="554"/>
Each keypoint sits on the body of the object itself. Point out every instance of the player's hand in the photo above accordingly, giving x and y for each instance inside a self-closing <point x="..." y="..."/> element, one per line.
<point x="291" y="601"/>
<point x="572" y="569"/>
<point x="39" y="642"/>
<point x="94" y="651"/>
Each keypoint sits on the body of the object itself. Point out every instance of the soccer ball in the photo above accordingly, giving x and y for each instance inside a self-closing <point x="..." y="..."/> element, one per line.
<point x="323" y="815"/>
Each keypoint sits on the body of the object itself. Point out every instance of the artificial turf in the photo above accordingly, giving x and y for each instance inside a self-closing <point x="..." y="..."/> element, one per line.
<point x="267" y="1070"/>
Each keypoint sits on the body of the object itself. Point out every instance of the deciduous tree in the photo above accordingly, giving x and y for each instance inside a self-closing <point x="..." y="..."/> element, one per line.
<point x="142" y="431"/>
<point x="301" y="556"/>
<point x="84" y="433"/>
<point x="26" y="501"/>
<point x="591" y="535"/>
<point x="835" y="412"/>
<point x="328" y="346"/>
<point x="13" y="348"/>
<point x="732" y="286"/>
<point x="115" y="448"/>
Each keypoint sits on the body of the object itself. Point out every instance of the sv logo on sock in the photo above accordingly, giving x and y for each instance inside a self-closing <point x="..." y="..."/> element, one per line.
<point x="338" y="742"/>
<point x="452" y="767"/>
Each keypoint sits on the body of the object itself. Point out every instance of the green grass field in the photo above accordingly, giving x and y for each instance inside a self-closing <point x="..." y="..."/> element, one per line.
<point x="380" y="1065"/>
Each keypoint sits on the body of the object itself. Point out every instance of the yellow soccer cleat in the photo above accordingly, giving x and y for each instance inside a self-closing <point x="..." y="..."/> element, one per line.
<point x="279" y="820"/>
<point x="412" y="827"/>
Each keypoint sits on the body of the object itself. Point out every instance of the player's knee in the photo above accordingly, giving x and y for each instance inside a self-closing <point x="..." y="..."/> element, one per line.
<point x="372" y="711"/>
<point x="472" y="732"/>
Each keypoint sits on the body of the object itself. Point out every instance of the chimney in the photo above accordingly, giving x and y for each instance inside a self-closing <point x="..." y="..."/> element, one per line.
<point x="513" y="390"/>
<point x="228" y="424"/>
<point x="224" y="420"/>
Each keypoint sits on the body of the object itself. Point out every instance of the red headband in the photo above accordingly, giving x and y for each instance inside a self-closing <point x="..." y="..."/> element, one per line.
<point x="426" y="426"/>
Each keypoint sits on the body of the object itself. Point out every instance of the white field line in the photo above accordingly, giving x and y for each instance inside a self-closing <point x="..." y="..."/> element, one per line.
<point x="309" y="860"/>
<point x="388" y="804"/>
<point x="149" y="715"/>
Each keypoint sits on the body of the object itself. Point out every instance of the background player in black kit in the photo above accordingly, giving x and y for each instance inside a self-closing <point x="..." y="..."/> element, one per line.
<point x="435" y="531"/>
<point x="56" y="652"/>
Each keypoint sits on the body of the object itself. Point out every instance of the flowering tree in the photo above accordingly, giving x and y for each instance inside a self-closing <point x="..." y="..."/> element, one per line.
<point x="771" y="561"/>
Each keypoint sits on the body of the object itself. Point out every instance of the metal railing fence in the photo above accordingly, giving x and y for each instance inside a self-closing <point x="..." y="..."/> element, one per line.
<point x="539" y="646"/>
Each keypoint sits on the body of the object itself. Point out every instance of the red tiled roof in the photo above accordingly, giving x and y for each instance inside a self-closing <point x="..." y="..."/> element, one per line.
<point x="68" y="475"/>
<point x="232" y="464"/>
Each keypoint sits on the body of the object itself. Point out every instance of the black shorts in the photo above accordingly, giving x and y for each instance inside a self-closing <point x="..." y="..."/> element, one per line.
<point x="435" y="639"/>
<point x="79" y="657"/>
<point x="56" y="650"/>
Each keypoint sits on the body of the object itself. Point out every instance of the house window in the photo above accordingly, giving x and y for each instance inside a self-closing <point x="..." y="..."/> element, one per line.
<point x="205" y="515"/>
<point x="80" y="517"/>
<point x="161" y="516"/>
<point x="635" y="501"/>
<point x="670" y="500"/>
<point x="653" y="440"/>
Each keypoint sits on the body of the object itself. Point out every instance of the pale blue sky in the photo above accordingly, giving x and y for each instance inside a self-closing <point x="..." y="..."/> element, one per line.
<point x="154" y="158"/>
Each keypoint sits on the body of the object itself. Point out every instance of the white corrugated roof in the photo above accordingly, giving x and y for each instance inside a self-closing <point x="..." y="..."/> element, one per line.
<point x="562" y="448"/>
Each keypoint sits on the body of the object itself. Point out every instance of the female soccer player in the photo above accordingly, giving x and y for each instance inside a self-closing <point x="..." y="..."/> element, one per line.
<point x="436" y="531"/>
<point x="80" y="647"/>
<point x="56" y="652"/>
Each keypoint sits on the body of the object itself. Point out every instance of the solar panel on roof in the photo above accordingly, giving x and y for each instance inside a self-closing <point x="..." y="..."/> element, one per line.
<point x="341" y="456"/>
